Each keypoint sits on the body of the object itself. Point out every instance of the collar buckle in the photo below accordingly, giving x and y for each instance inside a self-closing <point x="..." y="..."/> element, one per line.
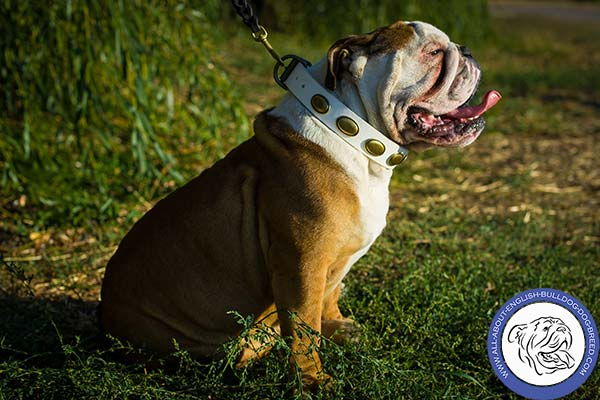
<point x="281" y="77"/>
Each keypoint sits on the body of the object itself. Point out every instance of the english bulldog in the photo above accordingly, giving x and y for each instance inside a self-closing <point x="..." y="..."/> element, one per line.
<point x="544" y="344"/>
<point x="272" y="229"/>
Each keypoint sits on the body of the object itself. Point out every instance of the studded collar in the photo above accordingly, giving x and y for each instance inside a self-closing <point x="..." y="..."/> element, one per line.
<point x="342" y="121"/>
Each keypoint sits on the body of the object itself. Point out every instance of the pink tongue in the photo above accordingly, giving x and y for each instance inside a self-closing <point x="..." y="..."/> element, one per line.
<point x="489" y="100"/>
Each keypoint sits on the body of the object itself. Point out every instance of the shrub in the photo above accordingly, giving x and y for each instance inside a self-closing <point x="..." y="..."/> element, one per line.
<point x="465" y="20"/>
<point x="96" y="90"/>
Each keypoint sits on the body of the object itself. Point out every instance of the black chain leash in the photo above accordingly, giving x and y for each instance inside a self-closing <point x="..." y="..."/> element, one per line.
<point x="244" y="10"/>
<point x="259" y="33"/>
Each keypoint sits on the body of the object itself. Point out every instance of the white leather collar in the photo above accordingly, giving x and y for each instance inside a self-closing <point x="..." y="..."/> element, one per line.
<point x="342" y="121"/>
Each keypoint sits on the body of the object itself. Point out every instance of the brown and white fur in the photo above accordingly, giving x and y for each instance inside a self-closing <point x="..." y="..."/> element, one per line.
<point x="272" y="229"/>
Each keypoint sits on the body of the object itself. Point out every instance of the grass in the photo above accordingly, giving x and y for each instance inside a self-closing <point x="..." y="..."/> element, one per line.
<point x="467" y="230"/>
<point x="99" y="96"/>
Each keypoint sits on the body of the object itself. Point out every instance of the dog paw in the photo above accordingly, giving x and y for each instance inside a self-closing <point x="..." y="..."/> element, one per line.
<point x="312" y="383"/>
<point x="341" y="331"/>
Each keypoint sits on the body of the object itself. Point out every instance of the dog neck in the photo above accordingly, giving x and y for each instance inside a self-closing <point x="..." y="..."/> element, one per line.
<point x="302" y="121"/>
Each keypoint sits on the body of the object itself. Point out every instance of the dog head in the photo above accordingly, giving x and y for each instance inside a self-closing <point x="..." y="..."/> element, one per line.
<point x="544" y="344"/>
<point x="412" y="83"/>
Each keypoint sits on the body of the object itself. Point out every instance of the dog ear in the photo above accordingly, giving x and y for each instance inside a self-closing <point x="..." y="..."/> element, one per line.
<point x="338" y="53"/>
<point x="516" y="333"/>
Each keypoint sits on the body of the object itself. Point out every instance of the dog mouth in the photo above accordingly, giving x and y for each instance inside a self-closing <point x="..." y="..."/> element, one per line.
<point x="458" y="127"/>
<point x="558" y="357"/>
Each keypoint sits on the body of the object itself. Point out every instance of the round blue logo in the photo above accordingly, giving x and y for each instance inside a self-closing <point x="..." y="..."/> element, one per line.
<point x="542" y="344"/>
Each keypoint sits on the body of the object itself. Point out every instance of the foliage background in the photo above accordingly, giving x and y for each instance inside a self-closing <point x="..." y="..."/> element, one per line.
<point x="98" y="93"/>
<point x="459" y="18"/>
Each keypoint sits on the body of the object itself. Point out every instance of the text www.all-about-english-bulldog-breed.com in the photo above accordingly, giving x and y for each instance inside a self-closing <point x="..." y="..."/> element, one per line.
<point x="272" y="229"/>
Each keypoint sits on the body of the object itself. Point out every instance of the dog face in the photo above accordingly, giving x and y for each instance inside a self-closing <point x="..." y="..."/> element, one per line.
<point x="413" y="83"/>
<point x="544" y="344"/>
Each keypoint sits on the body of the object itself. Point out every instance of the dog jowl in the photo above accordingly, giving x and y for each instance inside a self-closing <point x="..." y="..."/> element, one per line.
<point x="272" y="229"/>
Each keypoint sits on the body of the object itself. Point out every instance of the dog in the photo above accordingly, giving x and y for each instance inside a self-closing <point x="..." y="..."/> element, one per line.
<point x="272" y="229"/>
<point x="544" y="344"/>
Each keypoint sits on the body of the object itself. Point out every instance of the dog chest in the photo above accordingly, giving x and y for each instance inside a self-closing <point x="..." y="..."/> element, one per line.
<point x="374" y="205"/>
<point x="373" y="197"/>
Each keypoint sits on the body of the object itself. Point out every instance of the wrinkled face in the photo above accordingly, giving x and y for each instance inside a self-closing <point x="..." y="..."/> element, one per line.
<point x="413" y="83"/>
<point x="544" y="343"/>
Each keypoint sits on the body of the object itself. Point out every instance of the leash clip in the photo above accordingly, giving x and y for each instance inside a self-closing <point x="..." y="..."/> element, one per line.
<point x="261" y="36"/>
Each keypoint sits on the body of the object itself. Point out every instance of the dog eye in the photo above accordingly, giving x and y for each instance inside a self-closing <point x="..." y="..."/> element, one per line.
<point x="546" y="329"/>
<point x="436" y="52"/>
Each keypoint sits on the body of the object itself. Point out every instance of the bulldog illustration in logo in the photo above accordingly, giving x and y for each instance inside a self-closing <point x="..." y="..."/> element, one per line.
<point x="544" y="344"/>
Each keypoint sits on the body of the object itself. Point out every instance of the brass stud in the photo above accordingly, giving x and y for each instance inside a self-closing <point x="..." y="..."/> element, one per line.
<point x="319" y="103"/>
<point x="396" y="159"/>
<point x="375" y="147"/>
<point x="347" y="126"/>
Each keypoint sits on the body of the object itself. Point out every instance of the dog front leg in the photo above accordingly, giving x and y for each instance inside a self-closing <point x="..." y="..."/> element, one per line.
<point x="333" y="324"/>
<point x="298" y="292"/>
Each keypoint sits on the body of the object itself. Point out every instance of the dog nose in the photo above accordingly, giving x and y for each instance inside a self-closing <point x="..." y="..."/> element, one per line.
<point x="465" y="51"/>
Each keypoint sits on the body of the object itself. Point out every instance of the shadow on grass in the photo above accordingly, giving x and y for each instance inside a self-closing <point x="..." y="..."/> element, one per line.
<point x="42" y="332"/>
<point x="36" y="329"/>
<point x="54" y="349"/>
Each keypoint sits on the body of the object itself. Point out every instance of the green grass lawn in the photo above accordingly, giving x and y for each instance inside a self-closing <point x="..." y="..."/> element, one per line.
<point x="467" y="230"/>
